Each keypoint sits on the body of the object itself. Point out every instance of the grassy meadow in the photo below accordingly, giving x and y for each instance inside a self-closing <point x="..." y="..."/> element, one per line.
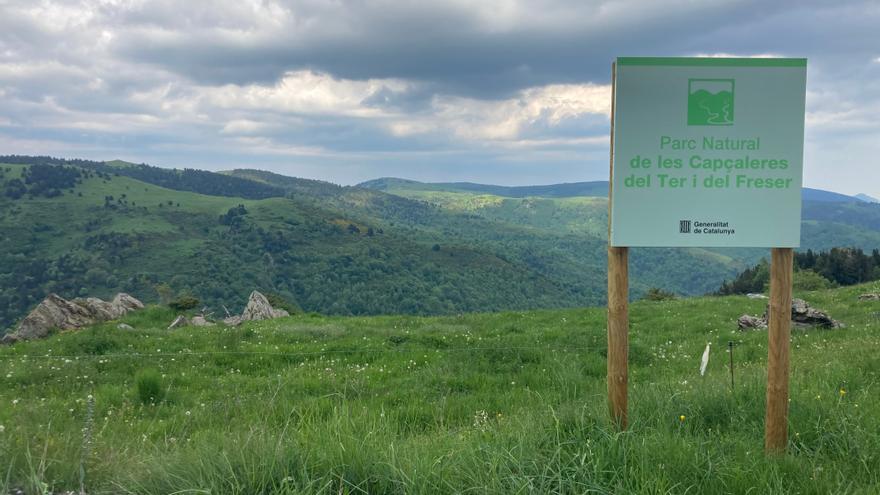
<point x="477" y="403"/>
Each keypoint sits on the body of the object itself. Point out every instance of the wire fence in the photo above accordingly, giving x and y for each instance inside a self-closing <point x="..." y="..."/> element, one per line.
<point x="301" y="353"/>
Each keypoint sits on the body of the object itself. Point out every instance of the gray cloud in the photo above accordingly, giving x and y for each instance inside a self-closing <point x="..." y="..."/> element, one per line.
<point x="501" y="91"/>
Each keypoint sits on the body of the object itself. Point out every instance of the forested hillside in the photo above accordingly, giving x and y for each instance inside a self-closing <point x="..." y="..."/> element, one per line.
<point x="82" y="228"/>
<point x="108" y="233"/>
<point x="828" y="219"/>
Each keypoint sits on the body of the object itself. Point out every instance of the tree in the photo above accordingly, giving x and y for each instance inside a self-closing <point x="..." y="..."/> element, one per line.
<point x="166" y="293"/>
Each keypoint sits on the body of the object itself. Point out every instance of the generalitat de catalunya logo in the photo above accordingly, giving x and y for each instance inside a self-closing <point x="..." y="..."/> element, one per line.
<point x="710" y="102"/>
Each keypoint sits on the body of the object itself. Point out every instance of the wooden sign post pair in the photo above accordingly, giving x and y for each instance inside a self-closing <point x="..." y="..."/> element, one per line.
<point x="706" y="152"/>
<point x="779" y="331"/>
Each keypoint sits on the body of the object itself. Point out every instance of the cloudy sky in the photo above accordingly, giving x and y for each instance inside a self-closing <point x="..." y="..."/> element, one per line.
<point x="497" y="91"/>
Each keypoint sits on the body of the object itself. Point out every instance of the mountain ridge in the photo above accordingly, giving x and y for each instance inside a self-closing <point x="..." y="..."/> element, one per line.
<point x="559" y="190"/>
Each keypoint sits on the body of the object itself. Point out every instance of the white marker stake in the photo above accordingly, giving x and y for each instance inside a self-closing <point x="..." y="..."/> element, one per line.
<point x="705" y="361"/>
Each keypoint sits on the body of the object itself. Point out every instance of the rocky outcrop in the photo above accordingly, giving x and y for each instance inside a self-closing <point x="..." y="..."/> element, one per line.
<point x="232" y="321"/>
<point x="196" y="321"/>
<point x="258" y="308"/>
<point x="871" y="296"/>
<point x="52" y="313"/>
<point x="101" y="310"/>
<point x="802" y="315"/>
<point x="749" y="322"/>
<point x="55" y="312"/>
<point x="200" y="321"/>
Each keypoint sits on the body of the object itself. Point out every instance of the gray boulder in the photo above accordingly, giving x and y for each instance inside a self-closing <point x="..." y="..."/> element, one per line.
<point x="109" y="310"/>
<point x="748" y="322"/>
<point x="802" y="315"/>
<point x="123" y="326"/>
<point x="232" y="321"/>
<point x="258" y="308"/>
<point x="871" y="296"/>
<point x="124" y="303"/>
<point x="200" y="321"/>
<point x="98" y="309"/>
<point x="55" y="312"/>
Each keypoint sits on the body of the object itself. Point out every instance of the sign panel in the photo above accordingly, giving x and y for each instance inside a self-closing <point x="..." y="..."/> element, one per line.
<point x="707" y="152"/>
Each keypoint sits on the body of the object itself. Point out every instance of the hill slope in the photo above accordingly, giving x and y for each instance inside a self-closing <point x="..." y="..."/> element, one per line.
<point x="829" y="219"/>
<point x="332" y="249"/>
<point x="114" y="233"/>
<point x="493" y="403"/>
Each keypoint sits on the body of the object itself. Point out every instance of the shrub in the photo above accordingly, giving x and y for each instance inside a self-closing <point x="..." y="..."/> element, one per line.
<point x="657" y="294"/>
<point x="149" y="386"/>
<point x="184" y="303"/>
<point x="810" y="280"/>
<point x="280" y="302"/>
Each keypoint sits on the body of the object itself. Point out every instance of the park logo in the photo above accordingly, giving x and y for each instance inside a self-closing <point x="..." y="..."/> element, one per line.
<point x="710" y="102"/>
<point x="684" y="226"/>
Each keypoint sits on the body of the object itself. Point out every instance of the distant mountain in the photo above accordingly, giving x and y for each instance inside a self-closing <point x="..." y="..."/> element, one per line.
<point x="808" y="194"/>
<point x="866" y="198"/>
<point x="567" y="190"/>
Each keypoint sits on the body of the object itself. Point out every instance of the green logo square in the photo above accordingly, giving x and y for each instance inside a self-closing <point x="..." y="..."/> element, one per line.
<point x="710" y="102"/>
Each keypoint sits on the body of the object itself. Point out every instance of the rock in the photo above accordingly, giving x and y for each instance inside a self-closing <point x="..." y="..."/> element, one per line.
<point x="232" y="321"/>
<point x="802" y="315"/>
<point x="123" y="326"/>
<point x="748" y="322"/>
<point x="200" y="321"/>
<point x="871" y="296"/>
<point x="124" y="303"/>
<point x="8" y="339"/>
<point x="98" y="309"/>
<point x="54" y="312"/>
<point x="258" y="308"/>
<point x="178" y="322"/>
<point x="753" y="295"/>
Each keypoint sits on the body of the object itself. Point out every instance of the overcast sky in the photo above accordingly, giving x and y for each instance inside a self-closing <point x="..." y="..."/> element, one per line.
<point x="492" y="91"/>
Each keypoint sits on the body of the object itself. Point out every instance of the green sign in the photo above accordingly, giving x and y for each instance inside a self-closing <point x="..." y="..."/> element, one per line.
<point x="707" y="152"/>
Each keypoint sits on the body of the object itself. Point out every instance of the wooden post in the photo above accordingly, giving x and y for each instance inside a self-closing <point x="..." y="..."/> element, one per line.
<point x="779" y="334"/>
<point x="618" y="333"/>
<point x="618" y="303"/>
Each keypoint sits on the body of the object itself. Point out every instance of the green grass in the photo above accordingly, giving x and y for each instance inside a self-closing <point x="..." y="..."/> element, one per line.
<point x="484" y="403"/>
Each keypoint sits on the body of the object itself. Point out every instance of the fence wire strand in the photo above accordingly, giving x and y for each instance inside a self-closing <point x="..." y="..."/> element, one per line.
<point x="292" y="354"/>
